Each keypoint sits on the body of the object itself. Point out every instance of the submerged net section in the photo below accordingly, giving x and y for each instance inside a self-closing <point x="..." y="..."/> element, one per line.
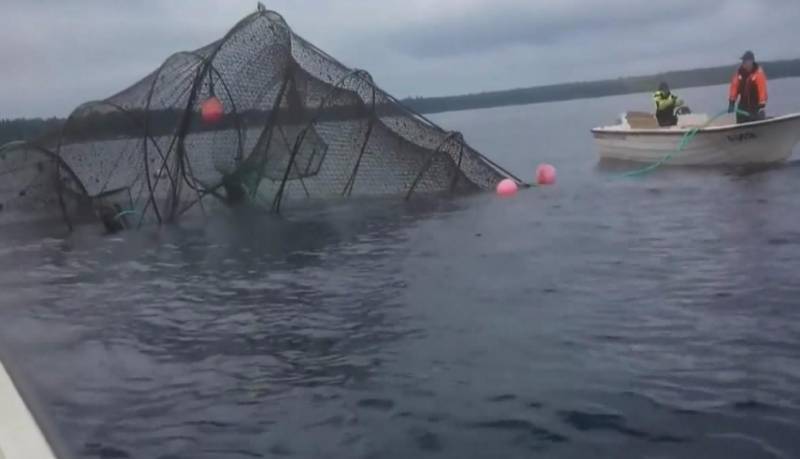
<point x="259" y="115"/>
<point x="31" y="187"/>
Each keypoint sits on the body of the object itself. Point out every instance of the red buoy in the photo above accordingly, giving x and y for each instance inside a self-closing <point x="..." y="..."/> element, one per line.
<point x="507" y="187"/>
<point x="211" y="110"/>
<point x="545" y="174"/>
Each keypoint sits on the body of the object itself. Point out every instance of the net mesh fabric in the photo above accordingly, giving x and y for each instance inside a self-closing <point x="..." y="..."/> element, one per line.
<point x="297" y="124"/>
<point x="30" y="187"/>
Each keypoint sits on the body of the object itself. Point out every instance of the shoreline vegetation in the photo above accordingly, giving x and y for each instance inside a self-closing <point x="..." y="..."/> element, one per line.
<point x="710" y="76"/>
<point x="33" y="128"/>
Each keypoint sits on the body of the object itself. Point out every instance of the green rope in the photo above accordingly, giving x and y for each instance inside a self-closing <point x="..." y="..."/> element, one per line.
<point x="124" y="213"/>
<point x="685" y="140"/>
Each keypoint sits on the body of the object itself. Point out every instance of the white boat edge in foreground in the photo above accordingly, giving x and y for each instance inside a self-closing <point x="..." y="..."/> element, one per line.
<point x="21" y="437"/>
<point x="759" y="142"/>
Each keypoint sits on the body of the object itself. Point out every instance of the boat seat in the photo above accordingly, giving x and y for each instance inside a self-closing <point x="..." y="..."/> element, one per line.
<point x="693" y="120"/>
<point x="641" y="120"/>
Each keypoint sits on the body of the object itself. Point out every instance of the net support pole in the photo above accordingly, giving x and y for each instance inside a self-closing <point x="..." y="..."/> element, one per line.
<point x="276" y="204"/>
<point x="457" y="173"/>
<point x="267" y="133"/>
<point x="429" y="162"/>
<point x="348" y="187"/>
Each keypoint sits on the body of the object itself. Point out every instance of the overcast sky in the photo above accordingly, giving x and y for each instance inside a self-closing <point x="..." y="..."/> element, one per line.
<point x="55" y="54"/>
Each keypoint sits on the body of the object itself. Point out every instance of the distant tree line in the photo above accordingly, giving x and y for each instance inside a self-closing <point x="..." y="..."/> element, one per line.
<point x="104" y="123"/>
<point x="27" y="128"/>
<point x="583" y="90"/>
<point x="100" y="125"/>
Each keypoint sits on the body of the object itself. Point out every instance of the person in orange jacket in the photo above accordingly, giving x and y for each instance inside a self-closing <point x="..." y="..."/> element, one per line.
<point x="749" y="86"/>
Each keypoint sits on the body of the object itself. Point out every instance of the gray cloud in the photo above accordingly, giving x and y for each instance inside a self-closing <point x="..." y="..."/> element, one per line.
<point x="57" y="54"/>
<point x="537" y="23"/>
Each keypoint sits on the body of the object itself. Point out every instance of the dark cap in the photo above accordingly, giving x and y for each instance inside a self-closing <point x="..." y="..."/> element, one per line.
<point x="663" y="86"/>
<point x="748" y="56"/>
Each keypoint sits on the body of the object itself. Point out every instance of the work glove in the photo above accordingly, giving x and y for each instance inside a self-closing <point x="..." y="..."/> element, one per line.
<point x="761" y="113"/>
<point x="731" y="106"/>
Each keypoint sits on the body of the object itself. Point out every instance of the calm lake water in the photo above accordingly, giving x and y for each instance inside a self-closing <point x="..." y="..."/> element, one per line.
<point x="649" y="318"/>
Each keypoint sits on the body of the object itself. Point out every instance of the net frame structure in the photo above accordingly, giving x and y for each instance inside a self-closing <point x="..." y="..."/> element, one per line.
<point x="297" y="125"/>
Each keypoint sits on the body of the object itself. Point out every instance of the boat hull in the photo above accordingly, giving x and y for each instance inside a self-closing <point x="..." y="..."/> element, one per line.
<point x="20" y="435"/>
<point x="761" y="142"/>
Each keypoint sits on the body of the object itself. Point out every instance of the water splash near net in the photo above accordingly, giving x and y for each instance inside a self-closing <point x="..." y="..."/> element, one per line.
<point x="297" y="125"/>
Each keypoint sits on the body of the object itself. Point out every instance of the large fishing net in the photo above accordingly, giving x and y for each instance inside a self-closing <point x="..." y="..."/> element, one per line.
<point x="260" y="115"/>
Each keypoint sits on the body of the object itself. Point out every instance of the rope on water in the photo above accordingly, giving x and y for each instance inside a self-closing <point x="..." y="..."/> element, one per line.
<point x="124" y="213"/>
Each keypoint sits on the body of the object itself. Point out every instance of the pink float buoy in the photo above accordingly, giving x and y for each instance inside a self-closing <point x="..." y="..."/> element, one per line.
<point x="545" y="174"/>
<point x="507" y="187"/>
<point x="212" y="110"/>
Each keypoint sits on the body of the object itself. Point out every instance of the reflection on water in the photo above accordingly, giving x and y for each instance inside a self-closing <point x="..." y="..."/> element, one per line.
<point x="645" y="318"/>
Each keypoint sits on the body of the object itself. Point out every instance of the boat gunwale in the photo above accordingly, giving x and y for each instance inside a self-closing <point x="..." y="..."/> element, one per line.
<point x="20" y="384"/>
<point x="614" y="130"/>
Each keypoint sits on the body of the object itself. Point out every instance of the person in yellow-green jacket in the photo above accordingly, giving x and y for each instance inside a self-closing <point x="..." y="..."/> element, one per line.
<point x="667" y="105"/>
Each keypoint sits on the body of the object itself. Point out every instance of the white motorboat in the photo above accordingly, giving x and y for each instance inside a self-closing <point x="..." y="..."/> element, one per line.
<point x="21" y="436"/>
<point x="698" y="140"/>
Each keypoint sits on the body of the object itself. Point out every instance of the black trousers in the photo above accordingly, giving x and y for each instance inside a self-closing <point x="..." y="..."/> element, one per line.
<point x="667" y="118"/>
